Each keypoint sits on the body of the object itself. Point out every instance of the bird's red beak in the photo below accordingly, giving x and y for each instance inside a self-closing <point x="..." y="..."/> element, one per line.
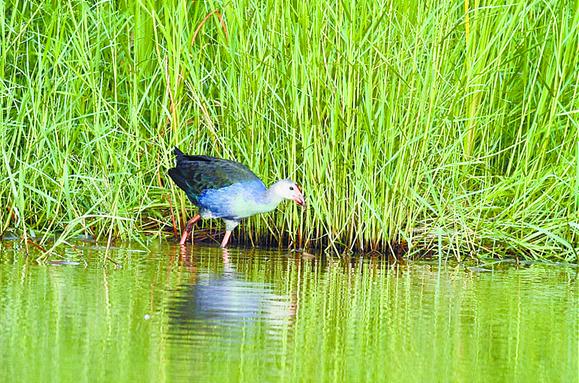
<point x="299" y="198"/>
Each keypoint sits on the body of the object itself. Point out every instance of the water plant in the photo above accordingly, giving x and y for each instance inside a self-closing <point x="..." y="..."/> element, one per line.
<point x="437" y="126"/>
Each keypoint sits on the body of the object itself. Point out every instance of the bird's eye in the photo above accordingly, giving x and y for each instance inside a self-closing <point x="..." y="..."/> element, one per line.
<point x="291" y="188"/>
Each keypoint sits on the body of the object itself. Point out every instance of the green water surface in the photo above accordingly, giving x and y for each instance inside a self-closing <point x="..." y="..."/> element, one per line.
<point x="204" y="315"/>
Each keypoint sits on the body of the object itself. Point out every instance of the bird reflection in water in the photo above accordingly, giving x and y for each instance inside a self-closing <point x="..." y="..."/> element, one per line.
<point x="225" y="302"/>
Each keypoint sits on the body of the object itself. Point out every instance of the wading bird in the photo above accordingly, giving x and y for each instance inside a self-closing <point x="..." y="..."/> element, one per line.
<point x="227" y="190"/>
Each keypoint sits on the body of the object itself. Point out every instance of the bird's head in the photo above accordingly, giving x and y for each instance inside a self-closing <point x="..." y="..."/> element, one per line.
<point x="289" y="190"/>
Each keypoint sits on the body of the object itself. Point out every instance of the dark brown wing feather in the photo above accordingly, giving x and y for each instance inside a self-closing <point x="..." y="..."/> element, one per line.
<point x="195" y="174"/>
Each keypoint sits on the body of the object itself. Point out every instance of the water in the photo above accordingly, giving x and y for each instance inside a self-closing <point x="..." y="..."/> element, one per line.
<point x="256" y="316"/>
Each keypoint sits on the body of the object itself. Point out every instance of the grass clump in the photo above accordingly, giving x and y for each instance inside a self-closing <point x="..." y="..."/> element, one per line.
<point x="438" y="125"/>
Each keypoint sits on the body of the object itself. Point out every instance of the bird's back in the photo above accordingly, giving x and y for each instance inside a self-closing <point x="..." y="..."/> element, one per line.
<point x="197" y="174"/>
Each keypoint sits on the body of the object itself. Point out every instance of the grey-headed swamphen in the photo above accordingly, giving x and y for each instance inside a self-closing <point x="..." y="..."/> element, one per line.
<point x="227" y="190"/>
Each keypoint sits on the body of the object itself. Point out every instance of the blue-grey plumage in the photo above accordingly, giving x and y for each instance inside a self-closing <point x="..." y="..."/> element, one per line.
<point x="228" y="190"/>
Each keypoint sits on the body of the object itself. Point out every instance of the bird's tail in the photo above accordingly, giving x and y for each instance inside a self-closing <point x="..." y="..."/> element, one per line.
<point x="182" y="174"/>
<point x="179" y="155"/>
<point x="177" y="176"/>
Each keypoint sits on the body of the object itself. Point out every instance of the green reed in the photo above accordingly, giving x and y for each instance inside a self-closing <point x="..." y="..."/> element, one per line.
<point x="400" y="125"/>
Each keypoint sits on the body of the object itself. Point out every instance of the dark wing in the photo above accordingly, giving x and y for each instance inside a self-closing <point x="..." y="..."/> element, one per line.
<point x="195" y="174"/>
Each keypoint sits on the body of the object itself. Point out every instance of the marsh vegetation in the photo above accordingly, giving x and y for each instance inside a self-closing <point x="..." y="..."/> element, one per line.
<point x="438" y="126"/>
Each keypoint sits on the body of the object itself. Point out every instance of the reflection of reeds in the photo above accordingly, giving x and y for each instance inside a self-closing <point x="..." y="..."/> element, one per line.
<point x="415" y="122"/>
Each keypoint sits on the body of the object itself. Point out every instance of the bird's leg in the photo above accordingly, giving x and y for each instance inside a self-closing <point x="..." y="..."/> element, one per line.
<point x="188" y="229"/>
<point x="225" y="255"/>
<point x="230" y="224"/>
<point x="225" y="238"/>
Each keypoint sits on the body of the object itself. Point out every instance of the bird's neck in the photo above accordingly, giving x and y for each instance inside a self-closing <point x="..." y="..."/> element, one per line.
<point x="269" y="200"/>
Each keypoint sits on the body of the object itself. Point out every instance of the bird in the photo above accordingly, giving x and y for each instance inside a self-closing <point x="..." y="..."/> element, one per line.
<point x="228" y="190"/>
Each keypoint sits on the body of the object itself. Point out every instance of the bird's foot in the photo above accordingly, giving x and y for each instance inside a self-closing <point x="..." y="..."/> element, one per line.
<point x="184" y="238"/>
<point x="188" y="229"/>
<point x="186" y="234"/>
